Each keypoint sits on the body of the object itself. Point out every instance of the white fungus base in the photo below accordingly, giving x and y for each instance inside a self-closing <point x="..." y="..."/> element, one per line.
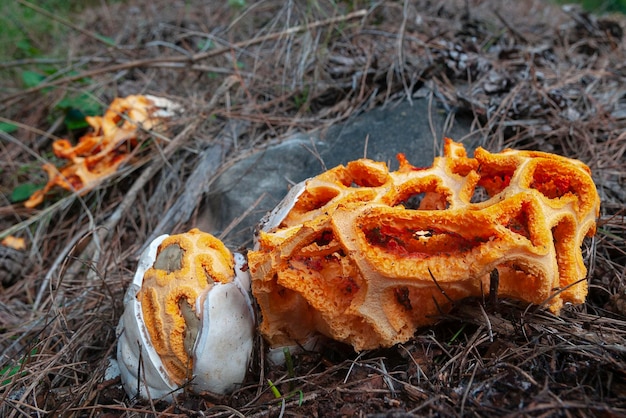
<point x="222" y="350"/>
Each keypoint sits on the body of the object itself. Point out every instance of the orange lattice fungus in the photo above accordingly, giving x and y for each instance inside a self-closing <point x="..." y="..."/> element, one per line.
<point x="361" y="254"/>
<point x="111" y="142"/>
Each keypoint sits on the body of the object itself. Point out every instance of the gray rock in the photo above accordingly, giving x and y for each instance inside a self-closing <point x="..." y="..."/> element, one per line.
<point x="241" y="195"/>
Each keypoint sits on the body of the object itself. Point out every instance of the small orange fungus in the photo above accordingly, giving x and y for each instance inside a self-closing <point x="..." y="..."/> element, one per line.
<point x="111" y="142"/>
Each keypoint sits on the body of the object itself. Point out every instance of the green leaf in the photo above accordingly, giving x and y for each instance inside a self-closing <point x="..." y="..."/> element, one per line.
<point x="9" y="371"/>
<point x="7" y="127"/>
<point x="76" y="108"/>
<point x="83" y="102"/>
<point x="23" y="192"/>
<point x="237" y="4"/>
<point x="27" y="48"/>
<point x="32" y="78"/>
<point x="206" y="45"/>
<point x="106" y="39"/>
<point x="75" y="119"/>
<point x="274" y="389"/>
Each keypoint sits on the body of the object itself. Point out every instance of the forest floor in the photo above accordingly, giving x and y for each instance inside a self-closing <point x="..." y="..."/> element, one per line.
<point x="532" y="76"/>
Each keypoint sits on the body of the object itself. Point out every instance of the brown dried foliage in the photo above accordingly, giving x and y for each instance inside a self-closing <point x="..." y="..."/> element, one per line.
<point x="532" y="76"/>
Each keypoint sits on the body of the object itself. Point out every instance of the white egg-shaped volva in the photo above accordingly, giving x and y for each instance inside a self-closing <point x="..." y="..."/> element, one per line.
<point x="188" y="319"/>
<point x="224" y="344"/>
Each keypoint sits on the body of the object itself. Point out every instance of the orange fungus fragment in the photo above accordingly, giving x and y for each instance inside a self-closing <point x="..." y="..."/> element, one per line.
<point x="111" y="142"/>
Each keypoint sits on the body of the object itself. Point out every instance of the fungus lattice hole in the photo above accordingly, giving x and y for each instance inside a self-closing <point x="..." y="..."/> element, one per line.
<point x="403" y="298"/>
<point x="170" y="258"/>
<point x="413" y="202"/>
<point x="480" y="195"/>
<point x="588" y="249"/>
<point x="316" y="198"/>
<point x="551" y="183"/>
<point x="496" y="181"/>
<point x="515" y="279"/>
<point x="418" y="243"/>
<point x="519" y="224"/>
<point x="425" y="201"/>
<point x="325" y="238"/>
<point x="366" y="182"/>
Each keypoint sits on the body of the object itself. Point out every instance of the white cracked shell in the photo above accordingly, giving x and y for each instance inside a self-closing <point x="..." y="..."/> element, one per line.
<point x="222" y="349"/>
<point x="274" y="218"/>
<point x="269" y="223"/>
